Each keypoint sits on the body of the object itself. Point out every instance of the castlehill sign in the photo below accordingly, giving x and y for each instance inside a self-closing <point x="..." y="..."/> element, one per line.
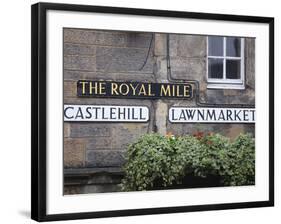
<point x="142" y="90"/>
<point x="106" y="113"/>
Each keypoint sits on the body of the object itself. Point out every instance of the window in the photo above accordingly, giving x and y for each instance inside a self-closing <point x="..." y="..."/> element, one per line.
<point x="225" y="62"/>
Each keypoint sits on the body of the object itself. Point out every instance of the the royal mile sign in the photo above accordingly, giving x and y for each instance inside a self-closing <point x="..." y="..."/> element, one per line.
<point x="211" y="115"/>
<point x="142" y="90"/>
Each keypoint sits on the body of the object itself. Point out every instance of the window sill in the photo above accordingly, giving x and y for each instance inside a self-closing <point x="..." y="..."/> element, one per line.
<point x="225" y="86"/>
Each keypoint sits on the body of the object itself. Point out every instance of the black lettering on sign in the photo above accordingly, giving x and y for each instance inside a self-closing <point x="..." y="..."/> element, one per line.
<point x="143" y="90"/>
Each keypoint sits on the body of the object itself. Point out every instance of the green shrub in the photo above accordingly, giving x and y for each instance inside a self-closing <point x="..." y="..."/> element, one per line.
<point x="158" y="161"/>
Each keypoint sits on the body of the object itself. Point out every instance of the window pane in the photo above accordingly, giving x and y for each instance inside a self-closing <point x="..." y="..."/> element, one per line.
<point x="233" y="69"/>
<point x="215" y="68"/>
<point x="215" y="46"/>
<point x="233" y="46"/>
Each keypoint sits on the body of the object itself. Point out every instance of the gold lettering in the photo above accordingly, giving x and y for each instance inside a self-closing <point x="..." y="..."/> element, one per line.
<point x="165" y="91"/>
<point x="178" y="91"/>
<point x="102" y="88"/>
<point x="83" y="86"/>
<point x="186" y="92"/>
<point x="134" y="88"/>
<point x="149" y="91"/>
<point x="142" y="90"/>
<point x="114" y="87"/>
<point x="95" y="87"/>
<point x="121" y="89"/>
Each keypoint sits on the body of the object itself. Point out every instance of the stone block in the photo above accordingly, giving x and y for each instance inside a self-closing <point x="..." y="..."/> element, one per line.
<point x="188" y="68"/>
<point x="127" y="133"/>
<point x="74" y="153"/>
<point x="173" y="45"/>
<point x="160" y="44"/>
<point x="107" y="38"/>
<point x="215" y="96"/>
<point x="250" y="62"/>
<point x="79" y="49"/>
<point x="99" y="143"/>
<point x="81" y="36"/>
<point x="66" y="129"/>
<point x="161" y="119"/>
<point x="104" y="158"/>
<point x="83" y="63"/>
<point x="191" y="46"/>
<point x="123" y="59"/>
<point x="69" y="89"/>
<point x="138" y="40"/>
<point x="80" y="129"/>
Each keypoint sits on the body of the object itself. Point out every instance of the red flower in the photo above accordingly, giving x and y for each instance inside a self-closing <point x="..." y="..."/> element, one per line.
<point x="199" y="135"/>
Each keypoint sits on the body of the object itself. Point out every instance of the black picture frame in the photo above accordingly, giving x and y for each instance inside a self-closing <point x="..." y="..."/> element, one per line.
<point x="39" y="108"/>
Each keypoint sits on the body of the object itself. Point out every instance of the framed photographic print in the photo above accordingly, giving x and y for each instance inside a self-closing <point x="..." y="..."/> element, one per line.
<point x="138" y="111"/>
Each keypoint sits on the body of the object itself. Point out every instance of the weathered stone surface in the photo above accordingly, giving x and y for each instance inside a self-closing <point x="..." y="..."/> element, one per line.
<point x="123" y="59"/>
<point x="215" y="96"/>
<point x="69" y="89"/>
<point x="77" y="62"/>
<point x="84" y="36"/>
<point x="173" y="44"/>
<point x="138" y="40"/>
<point x="124" y="134"/>
<point x="80" y="129"/>
<point x="74" y="152"/>
<point x="104" y="158"/>
<point x="188" y="68"/>
<point x="191" y="46"/>
<point x="233" y="130"/>
<point x="160" y="45"/>
<point x="135" y="75"/>
<point x="99" y="143"/>
<point x="75" y="49"/>
<point x="161" y="118"/>
<point x="250" y="62"/>
<point x="107" y="38"/>
<point x="66" y="129"/>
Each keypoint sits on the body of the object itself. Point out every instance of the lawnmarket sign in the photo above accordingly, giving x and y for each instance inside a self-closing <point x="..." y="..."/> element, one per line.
<point x="211" y="115"/>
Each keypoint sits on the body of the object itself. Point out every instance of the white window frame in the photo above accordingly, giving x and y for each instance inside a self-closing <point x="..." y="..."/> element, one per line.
<point x="225" y="83"/>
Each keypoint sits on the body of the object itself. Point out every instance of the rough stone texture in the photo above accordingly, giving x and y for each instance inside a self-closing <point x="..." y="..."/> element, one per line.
<point x="188" y="68"/>
<point x="69" y="89"/>
<point x="99" y="143"/>
<point x="137" y="76"/>
<point x="82" y="129"/>
<point x="105" y="158"/>
<point x="82" y="63"/>
<point x="160" y="46"/>
<point x="66" y="130"/>
<point x="187" y="44"/>
<point x="127" y="133"/>
<point x="161" y="118"/>
<point x="123" y="59"/>
<point x="74" y="153"/>
<point x="250" y="62"/>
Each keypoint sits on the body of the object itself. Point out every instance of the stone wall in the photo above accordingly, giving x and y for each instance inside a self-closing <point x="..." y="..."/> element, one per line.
<point x="94" y="152"/>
